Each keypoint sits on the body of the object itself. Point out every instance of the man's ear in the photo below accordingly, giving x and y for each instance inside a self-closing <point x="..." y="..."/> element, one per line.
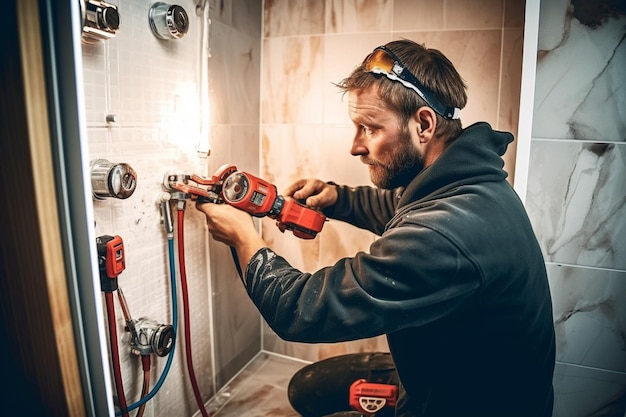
<point x="426" y="119"/>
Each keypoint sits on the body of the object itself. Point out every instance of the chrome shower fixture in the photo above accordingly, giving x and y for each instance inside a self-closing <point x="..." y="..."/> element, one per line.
<point x="146" y="336"/>
<point x="151" y="337"/>
<point x="168" y="21"/>
<point x="101" y="20"/>
<point x="108" y="179"/>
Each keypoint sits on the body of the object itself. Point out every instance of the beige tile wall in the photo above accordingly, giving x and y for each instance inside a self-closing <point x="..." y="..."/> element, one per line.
<point x="305" y="131"/>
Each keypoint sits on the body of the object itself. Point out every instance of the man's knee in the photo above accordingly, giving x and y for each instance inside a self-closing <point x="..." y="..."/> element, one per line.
<point x="323" y="387"/>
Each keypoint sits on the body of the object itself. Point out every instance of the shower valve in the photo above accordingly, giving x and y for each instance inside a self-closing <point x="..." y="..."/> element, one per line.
<point x="168" y="21"/>
<point x="108" y="179"/>
<point x="101" y="20"/>
<point x="146" y="336"/>
<point x="151" y="337"/>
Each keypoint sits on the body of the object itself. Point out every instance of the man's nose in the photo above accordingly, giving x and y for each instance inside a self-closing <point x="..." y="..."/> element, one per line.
<point x="358" y="145"/>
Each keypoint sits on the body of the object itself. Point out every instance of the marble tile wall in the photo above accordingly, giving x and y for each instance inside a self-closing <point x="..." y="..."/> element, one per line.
<point x="575" y="198"/>
<point x="305" y="131"/>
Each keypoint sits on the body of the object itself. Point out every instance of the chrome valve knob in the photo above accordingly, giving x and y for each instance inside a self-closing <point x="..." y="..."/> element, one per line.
<point x="168" y="21"/>
<point x="117" y="180"/>
<point x="101" y="20"/>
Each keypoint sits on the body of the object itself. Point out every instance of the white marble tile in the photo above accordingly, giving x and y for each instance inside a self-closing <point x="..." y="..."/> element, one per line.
<point x="586" y="392"/>
<point x="576" y="194"/>
<point x="590" y="316"/>
<point x="575" y="199"/>
<point x="579" y="89"/>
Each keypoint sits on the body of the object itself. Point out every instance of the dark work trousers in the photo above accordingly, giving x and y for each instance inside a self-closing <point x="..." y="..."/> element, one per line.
<point x="323" y="388"/>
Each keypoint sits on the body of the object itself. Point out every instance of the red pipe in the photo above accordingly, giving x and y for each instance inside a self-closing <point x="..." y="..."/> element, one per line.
<point x="145" y="362"/>
<point x="115" y="354"/>
<point x="183" y="282"/>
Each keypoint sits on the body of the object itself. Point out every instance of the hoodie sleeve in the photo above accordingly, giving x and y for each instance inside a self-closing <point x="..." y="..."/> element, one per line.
<point x="393" y="287"/>
<point x="364" y="207"/>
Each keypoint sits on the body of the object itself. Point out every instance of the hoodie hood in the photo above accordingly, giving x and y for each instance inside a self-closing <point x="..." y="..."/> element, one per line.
<point x="474" y="157"/>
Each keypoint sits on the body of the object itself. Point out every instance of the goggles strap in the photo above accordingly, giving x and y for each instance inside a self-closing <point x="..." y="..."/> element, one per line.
<point x="399" y="72"/>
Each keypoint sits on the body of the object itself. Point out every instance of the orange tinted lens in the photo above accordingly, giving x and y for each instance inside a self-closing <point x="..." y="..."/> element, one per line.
<point x="379" y="59"/>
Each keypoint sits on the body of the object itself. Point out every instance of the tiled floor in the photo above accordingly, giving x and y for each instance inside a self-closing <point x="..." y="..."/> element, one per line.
<point x="260" y="390"/>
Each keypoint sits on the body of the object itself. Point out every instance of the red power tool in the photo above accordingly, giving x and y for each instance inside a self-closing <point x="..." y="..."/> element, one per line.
<point x="252" y="195"/>
<point x="371" y="397"/>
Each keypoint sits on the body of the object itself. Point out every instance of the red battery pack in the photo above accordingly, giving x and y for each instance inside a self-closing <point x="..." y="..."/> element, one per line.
<point x="115" y="259"/>
<point x="370" y="397"/>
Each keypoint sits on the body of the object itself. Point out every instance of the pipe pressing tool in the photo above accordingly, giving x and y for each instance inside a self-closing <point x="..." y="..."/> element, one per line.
<point x="251" y="194"/>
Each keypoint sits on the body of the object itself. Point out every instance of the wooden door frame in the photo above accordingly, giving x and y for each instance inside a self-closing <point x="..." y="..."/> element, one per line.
<point x="35" y="307"/>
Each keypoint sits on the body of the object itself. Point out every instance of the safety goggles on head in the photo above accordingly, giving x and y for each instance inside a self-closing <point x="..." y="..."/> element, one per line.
<point x="383" y="61"/>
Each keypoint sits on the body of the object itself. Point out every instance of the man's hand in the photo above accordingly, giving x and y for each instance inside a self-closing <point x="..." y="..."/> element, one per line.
<point x="317" y="193"/>
<point x="233" y="227"/>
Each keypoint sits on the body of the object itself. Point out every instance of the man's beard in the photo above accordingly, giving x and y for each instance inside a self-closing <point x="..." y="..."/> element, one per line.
<point x="405" y="164"/>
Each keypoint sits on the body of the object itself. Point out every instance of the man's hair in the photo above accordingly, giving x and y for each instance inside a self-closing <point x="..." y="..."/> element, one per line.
<point x="432" y="69"/>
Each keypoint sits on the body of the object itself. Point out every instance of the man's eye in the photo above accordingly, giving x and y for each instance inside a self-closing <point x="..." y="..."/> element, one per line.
<point x="367" y="130"/>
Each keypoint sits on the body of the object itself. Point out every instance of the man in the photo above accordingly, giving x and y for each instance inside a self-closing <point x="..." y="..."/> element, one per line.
<point x="456" y="280"/>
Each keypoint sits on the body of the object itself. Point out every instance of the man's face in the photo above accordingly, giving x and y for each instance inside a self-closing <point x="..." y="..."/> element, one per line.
<point x="383" y="143"/>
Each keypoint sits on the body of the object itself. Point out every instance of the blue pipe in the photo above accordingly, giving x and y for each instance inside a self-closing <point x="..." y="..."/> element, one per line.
<point x="170" y="244"/>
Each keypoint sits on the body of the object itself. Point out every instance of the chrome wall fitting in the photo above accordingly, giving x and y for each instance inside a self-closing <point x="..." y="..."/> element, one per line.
<point x="168" y="21"/>
<point x="101" y="20"/>
<point x="108" y="179"/>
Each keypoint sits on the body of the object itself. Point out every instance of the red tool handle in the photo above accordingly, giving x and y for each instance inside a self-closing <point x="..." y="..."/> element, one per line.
<point x="303" y="221"/>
